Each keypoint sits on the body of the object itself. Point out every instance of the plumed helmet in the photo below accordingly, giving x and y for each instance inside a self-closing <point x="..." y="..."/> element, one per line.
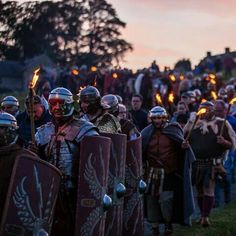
<point x="64" y="97"/>
<point x="10" y="100"/>
<point x="158" y="111"/>
<point x="92" y="96"/>
<point x="111" y="102"/>
<point x="8" y="126"/>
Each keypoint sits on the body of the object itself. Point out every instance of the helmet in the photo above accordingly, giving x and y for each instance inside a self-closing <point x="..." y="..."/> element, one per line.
<point x="158" y="111"/>
<point x="8" y="129"/>
<point x="111" y="102"/>
<point x="10" y="100"/>
<point x="10" y="105"/>
<point x="222" y="93"/>
<point x="198" y="93"/>
<point x="64" y="97"/>
<point x="206" y="104"/>
<point x="92" y="96"/>
<point x="120" y="99"/>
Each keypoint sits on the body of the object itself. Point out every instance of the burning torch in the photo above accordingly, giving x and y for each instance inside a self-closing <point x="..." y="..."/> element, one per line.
<point x="200" y="112"/>
<point x="213" y="95"/>
<point x="227" y="112"/>
<point x="158" y="99"/>
<point x="31" y="103"/>
<point x="171" y="98"/>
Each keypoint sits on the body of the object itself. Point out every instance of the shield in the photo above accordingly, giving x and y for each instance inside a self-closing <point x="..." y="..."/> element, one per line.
<point x="135" y="187"/>
<point x="92" y="201"/>
<point x="31" y="197"/>
<point x="116" y="188"/>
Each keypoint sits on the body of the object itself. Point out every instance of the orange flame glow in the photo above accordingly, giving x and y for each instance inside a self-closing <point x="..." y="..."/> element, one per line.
<point x="95" y="83"/>
<point x="35" y="78"/>
<point x="212" y="81"/>
<point x="212" y="76"/>
<point x="75" y="72"/>
<point x="172" y="78"/>
<point x="171" y="98"/>
<point x="94" y="69"/>
<point x="201" y="111"/>
<point x="203" y="100"/>
<point x="213" y="94"/>
<point x="232" y="101"/>
<point x="158" y="98"/>
<point x="181" y="77"/>
<point x="114" y="75"/>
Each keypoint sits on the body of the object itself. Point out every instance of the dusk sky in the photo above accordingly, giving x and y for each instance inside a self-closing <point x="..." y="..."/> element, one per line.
<point x="169" y="30"/>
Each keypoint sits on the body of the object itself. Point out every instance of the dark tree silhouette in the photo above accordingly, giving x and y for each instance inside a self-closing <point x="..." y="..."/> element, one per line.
<point x="85" y="31"/>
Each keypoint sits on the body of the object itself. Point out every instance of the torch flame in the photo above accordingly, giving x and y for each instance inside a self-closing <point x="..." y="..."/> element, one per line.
<point x="203" y="100"/>
<point x="171" y="98"/>
<point x="114" y="75"/>
<point x="213" y="94"/>
<point x="158" y="98"/>
<point x="35" y="78"/>
<point x="201" y="111"/>
<point x="212" y="76"/>
<point x="75" y="72"/>
<point x="95" y="83"/>
<point x="172" y="78"/>
<point x="212" y="81"/>
<point x="93" y="68"/>
<point x="232" y="101"/>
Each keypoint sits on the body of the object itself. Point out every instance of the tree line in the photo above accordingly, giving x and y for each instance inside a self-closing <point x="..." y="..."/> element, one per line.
<point x="69" y="31"/>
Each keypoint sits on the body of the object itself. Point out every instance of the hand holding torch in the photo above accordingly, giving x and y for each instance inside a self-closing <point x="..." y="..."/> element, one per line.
<point x="200" y="112"/>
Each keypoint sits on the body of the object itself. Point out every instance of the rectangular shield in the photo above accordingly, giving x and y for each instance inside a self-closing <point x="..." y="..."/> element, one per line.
<point x="116" y="187"/>
<point x="92" y="186"/>
<point x="133" y="222"/>
<point x="31" y="197"/>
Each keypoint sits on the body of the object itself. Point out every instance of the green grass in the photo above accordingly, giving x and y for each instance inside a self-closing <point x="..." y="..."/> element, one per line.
<point x="223" y="223"/>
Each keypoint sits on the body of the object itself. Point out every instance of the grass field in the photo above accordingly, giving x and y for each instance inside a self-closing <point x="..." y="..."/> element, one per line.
<point x="223" y="223"/>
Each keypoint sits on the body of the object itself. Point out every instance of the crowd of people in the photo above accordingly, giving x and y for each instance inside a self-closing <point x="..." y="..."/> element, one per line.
<point x="187" y="123"/>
